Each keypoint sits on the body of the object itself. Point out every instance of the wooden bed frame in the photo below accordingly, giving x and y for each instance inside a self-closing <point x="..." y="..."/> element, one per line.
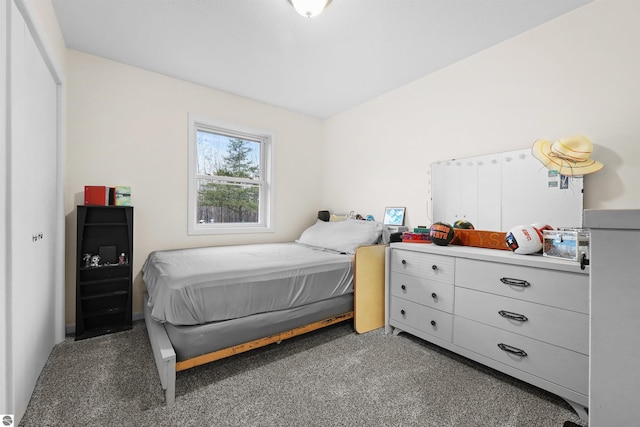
<point x="368" y="314"/>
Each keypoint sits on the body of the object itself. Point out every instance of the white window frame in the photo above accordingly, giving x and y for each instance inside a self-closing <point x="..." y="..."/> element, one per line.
<point x="266" y="211"/>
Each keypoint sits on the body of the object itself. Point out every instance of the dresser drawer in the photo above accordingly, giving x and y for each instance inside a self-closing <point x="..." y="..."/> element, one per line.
<point x="563" y="328"/>
<point x="426" y="292"/>
<point x="557" y="365"/>
<point x="425" y="319"/>
<point x="550" y="287"/>
<point x="428" y="266"/>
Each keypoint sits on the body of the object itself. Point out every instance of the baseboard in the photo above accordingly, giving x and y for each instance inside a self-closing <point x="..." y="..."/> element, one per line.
<point x="71" y="329"/>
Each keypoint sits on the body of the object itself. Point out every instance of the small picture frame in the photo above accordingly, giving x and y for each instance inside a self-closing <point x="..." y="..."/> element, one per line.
<point x="393" y="216"/>
<point x="108" y="254"/>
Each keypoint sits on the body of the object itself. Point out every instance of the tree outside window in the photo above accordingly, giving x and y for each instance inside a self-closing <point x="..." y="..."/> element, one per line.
<point x="231" y="180"/>
<point x="228" y="200"/>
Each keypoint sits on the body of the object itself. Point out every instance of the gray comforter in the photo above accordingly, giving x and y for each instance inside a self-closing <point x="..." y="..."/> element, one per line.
<point x="201" y="285"/>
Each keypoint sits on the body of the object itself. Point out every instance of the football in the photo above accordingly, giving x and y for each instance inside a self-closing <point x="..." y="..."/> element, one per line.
<point x="524" y="239"/>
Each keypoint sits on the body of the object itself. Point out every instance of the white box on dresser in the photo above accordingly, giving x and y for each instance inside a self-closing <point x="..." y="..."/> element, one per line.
<point x="524" y="315"/>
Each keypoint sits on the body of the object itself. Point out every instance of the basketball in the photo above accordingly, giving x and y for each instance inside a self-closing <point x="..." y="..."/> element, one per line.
<point x="524" y="239"/>
<point x="463" y="224"/>
<point x="441" y="233"/>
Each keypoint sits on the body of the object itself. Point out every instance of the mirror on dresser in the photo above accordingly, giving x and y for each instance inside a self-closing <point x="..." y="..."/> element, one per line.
<point x="499" y="191"/>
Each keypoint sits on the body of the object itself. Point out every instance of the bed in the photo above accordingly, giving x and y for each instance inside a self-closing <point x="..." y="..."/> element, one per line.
<point x="204" y="304"/>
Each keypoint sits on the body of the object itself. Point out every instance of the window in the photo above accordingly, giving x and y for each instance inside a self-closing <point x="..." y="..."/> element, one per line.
<point x="230" y="187"/>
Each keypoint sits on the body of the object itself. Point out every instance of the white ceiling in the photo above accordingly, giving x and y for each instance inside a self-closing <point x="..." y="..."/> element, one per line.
<point x="263" y="50"/>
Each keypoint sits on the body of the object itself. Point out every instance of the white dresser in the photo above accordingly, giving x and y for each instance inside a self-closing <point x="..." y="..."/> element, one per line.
<point x="524" y="315"/>
<point x="615" y="319"/>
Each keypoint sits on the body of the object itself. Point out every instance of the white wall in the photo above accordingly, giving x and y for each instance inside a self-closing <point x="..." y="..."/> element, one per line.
<point x="577" y="74"/>
<point x="129" y="127"/>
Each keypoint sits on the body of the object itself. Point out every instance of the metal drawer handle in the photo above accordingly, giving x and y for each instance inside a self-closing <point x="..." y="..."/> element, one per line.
<point x="402" y="312"/>
<point x="434" y="267"/>
<point x="433" y="323"/>
<point x="515" y="282"/>
<point x="434" y="295"/>
<point x="404" y="262"/>
<point x="513" y="350"/>
<point x="403" y="287"/>
<point x="513" y="316"/>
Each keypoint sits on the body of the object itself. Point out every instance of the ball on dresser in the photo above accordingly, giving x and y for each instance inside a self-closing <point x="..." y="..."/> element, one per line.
<point x="441" y="233"/>
<point x="524" y="239"/>
<point x="463" y="224"/>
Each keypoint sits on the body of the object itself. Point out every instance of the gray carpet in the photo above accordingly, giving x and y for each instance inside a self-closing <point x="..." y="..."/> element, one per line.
<point x="331" y="377"/>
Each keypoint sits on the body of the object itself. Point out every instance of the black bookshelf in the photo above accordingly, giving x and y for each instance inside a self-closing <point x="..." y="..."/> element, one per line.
<point x="103" y="288"/>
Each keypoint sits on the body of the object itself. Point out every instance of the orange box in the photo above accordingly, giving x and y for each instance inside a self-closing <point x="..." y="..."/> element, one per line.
<point x="480" y="239"/>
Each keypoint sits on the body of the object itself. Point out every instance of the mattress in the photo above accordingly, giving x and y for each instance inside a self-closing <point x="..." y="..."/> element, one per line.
<point x="202" y="285"/>
<point x="193" y="341"/>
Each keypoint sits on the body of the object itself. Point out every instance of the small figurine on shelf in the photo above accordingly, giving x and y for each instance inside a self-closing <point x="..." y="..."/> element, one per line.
<point x="86" y="259"/>
<point x="95" y="261"/>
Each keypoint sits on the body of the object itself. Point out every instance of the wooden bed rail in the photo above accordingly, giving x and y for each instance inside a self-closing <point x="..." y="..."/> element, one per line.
<point x="260" y="342"/>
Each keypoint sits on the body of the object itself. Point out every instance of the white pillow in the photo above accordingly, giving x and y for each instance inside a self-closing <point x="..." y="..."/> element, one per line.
<point x="342" y="236"/>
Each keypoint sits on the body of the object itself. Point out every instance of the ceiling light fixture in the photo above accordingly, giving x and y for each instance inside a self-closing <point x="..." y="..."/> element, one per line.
<point x="310" y="8"/>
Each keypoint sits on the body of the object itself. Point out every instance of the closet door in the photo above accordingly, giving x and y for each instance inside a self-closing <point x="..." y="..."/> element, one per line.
<point x="33" y="211"/>
<point x="4" y="246"/>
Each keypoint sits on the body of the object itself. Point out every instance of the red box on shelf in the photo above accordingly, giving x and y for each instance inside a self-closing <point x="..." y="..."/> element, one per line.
<point x="96" y="195"/>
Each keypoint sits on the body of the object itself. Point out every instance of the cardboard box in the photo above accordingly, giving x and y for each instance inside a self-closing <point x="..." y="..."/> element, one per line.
<point x="571" y="244"/>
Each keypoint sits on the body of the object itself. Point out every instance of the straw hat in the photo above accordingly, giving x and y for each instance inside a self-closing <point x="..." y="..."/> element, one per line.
<point x="569" y="156"/>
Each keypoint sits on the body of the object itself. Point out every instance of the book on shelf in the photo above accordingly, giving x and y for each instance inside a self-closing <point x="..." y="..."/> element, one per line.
<point x="122" y="196"/>
<point x="102" y="195"/>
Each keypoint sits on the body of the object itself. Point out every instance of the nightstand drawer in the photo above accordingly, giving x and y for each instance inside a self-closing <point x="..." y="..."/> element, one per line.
<point x="427" y="292"/>
<point x="428" y="266"/>
<point x="550" y="287"/>
<point x="558" y="365"/>
<point x="563" y="328"/>
<point x="425" y="319"/>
